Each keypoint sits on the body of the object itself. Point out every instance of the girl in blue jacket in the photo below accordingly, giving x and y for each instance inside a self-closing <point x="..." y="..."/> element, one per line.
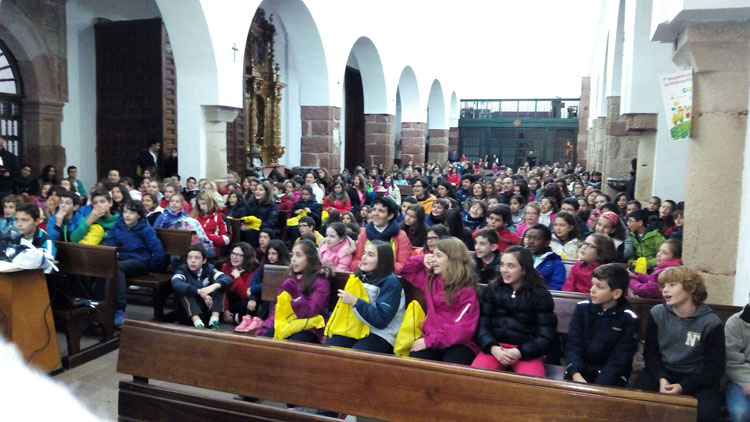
<point x="385" y="311"/>
<point x="546" y="262"/>
<point x="141" y="251"/>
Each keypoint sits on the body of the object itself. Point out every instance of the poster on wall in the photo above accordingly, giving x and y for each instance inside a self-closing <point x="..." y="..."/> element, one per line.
<point x="677" y="93"/>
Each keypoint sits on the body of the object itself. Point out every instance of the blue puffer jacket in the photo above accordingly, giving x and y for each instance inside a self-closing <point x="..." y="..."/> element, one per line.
<point x="139" y="242"/>
<point x="551" y="267"/>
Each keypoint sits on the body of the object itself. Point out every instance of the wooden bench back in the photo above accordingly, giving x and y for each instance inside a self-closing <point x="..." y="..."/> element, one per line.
<point x="235" y="225"/>
<point x="569" y="263"/>
<point x="86" y="260"/>
<point x="175" y="242"/>
<point x="405" y="190"/>
<point x="372" y="385"/>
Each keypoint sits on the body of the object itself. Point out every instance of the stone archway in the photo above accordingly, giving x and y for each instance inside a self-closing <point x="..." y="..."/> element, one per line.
<point x="453" y="133"/>
<point x="411" y="118"/>
<point x="377" y="134"/>
<point x="436" y="125"/>
<point x="29" y="31"/>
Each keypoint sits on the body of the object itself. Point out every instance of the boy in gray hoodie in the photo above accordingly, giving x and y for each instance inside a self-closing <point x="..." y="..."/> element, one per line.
<point x="684" y="351"/>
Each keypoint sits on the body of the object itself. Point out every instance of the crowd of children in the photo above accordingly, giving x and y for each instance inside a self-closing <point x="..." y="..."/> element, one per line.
<point x="463" y="226"/>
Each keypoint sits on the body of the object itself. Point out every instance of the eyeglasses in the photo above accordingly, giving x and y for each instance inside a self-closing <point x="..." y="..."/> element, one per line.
<point x="237" y="255"/>
<point x="588" y="245"/>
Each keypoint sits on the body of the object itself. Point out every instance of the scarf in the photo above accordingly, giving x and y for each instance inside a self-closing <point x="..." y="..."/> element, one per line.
<point x="391" y="230"/>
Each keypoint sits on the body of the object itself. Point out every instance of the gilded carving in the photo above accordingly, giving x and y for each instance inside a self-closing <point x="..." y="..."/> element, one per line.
<point x="263" y="92"/>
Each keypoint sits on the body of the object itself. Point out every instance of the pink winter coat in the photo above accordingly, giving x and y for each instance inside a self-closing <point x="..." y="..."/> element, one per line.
<point x="339" y="256"/>
<point x="445" y="324"/>
<point x="647" y="285"/>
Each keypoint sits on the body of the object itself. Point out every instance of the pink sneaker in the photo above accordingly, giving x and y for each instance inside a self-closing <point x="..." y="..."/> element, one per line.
<point x="244" y="326"/>
<point x="255" y="324"/>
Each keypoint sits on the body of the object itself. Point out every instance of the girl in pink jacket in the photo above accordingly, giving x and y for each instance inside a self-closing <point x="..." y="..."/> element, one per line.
<point x="647" y="285"/>
<point x="447" y="279"/>
<point x="337" y="250"/>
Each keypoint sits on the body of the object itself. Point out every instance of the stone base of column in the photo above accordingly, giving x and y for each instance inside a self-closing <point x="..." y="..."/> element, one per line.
<point x="583" y="121"/>
<point x="217" y="118"/>
<point x="318" y="148"/>
<point x="438" y="152"/>
<point x="379" y="137"/>
<point x="412" y="142"/>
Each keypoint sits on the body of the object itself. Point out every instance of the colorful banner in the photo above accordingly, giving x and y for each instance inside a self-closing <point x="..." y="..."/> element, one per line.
<point x="677" y="92"/>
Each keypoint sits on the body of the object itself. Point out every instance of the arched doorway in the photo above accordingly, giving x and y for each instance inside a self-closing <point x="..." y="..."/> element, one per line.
<point x="354" y="118"/>
<point x="11" y="94"/>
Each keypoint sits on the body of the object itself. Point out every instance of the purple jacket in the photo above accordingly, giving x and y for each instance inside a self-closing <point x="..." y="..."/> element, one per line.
<point x="647" y="285"/>
<point x="315" y="303"/>
<point x="445" y="324"/>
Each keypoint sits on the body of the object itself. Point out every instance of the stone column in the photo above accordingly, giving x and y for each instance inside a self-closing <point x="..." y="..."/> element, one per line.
<point x="718" y="54"/>
<point x="412" y="142"/>
<point x="319" y="148"/>
<point x="583" y="121"/>
<point x="438" y="152"/>
<point x="642" y="127"/>
<point x="453" y="139"/>
<point x="619" y="147"/>
<point x="216" y="119"/>
<point x="379" y="137"/>
<point x="595" y="147"/>
<point x="41" y="123"/>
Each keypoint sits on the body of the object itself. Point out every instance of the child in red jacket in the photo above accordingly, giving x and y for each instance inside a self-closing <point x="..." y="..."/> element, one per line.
<point x="499" y="219"/>
<point x="596" y="250"/>
<point x="242" y="265"/>
<point x="212" y="221"/>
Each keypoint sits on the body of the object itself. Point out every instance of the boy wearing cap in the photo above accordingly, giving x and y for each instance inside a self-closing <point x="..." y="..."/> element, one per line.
<point x="384" y="227"/>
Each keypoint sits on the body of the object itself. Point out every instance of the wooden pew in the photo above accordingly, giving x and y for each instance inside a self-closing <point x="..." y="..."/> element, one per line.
<point x="89" y="261"/>
<point x="174" y="242"/>
<point x="320" y="377"/>
<point x="405" y="190"/>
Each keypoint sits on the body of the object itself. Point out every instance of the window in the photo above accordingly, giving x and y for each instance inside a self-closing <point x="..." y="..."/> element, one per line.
<point x="10" y="101"/>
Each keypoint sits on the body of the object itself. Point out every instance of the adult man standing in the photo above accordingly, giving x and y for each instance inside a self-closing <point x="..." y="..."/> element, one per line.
<point x="531" y="158"/>
<point x="149" y="157"/>
<point x="8" y="170"/>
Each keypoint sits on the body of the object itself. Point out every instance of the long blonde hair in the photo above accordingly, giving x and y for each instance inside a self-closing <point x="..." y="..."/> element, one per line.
<point x="460" y="273"/>
<point x="207" y="196"/>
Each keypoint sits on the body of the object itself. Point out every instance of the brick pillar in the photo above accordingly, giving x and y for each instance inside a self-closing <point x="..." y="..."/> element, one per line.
<point x="438" y="152"/>
<point x="379" y="137"/>
<point x="412" y="142"/>
<point x="453" y="140"/>
<point x="318" y="147"/>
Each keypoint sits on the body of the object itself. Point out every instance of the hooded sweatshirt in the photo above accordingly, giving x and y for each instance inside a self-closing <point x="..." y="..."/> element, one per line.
<point x="446" y="324"/>
<point x="692" y="346"/>
<point x="386" y="309"/>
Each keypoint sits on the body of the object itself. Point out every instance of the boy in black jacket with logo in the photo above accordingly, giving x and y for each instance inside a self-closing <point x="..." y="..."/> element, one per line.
<point x="602" y="337"/>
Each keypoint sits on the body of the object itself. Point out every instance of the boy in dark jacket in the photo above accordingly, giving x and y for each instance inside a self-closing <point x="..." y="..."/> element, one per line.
<point x="200" y="288"/>
<point x="140" y="250"/>
<point x="684" y="351"/>
<point x="486" y="255"/>
<point x="602" y="337"/>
